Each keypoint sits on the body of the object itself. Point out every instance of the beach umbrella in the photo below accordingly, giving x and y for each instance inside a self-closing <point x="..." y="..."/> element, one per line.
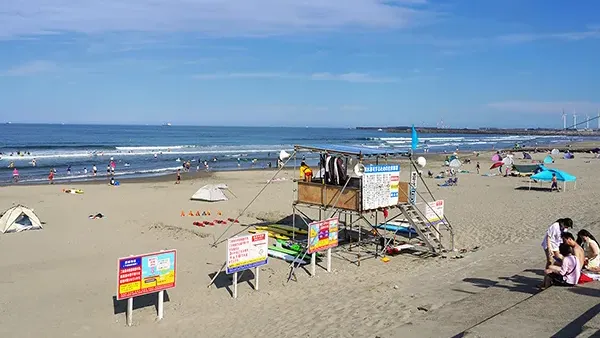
<point x="496" y="165"/>
<point x="496" y="158"/>
<point x="555" y="152"/>
<point x="526" y="156"/>
<point x="455" y="163"/>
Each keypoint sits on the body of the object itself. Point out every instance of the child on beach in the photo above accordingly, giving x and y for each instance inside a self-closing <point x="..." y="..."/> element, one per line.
<point x="477" y="167"/>
<point x="554" y="183"/>
<point x="51" y="177"/>
<point x="178" y="177"/>
<point x="553" y="239"/>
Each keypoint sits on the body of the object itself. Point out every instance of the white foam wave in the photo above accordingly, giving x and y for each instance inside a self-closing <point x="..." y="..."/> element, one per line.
<point x="117" y="174"/>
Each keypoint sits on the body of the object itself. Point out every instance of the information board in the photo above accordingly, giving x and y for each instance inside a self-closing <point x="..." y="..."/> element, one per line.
<point x="435" y="211"/>
<point x="414" y="178"/>
<point x="144" y="274"/>
<point x="246" y="252"/>
<point x="380" y="186"/>
<point x="322" y="235"/>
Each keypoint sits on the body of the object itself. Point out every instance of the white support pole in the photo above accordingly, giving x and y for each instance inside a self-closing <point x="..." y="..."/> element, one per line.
<point x="235" y="283"/>
<point x="161" y="301"/>
<point x="329" y="260"/>
<point x="256" y="271"/>
<point x="129" y="314"/>
<point x="313" y="264"/>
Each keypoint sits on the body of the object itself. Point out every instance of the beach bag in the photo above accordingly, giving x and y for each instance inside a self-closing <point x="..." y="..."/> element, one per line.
<point x="583" y="278"/>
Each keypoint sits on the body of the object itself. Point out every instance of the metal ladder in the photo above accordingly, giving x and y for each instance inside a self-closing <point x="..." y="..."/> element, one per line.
<point x="427" y="233"/>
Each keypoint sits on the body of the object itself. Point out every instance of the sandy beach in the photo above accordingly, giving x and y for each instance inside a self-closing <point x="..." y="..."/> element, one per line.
<point x="61" y="281"/>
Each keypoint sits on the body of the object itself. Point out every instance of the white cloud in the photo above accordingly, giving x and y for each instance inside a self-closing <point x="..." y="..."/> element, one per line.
<point x="545" y="107"/>
<point x="31" y="68"/>
<point x="215" y="17"/>
<point x="344" y="77"/>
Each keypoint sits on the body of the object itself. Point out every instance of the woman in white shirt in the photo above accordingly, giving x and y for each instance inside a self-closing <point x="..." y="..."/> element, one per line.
<point x="590" y="246"/>
<point x="552" y="239"/>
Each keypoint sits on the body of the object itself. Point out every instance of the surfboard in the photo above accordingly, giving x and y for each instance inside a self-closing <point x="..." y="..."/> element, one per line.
<point x="286" y="257"/>
<point x="271" y="234"/>
<point x="287" y="251"/>
<point x="288" y="228"/>
<point x="397" y="228"/>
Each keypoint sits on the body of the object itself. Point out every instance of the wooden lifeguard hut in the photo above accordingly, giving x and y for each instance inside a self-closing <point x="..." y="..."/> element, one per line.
<point x="372" y="186"/>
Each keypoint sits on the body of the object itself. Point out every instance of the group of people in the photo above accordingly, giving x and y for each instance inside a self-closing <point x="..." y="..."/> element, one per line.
<point x="569" y="260"/>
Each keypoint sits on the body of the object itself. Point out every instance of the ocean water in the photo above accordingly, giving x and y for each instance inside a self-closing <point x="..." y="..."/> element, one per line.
<point x="159" y="150"/>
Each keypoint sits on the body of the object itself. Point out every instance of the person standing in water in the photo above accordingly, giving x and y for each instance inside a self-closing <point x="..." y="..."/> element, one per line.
<point x="51" y="177"/>
<point x="69" y="170"/>
<point x="94" y="170"/>
<point x="16" y="175"/>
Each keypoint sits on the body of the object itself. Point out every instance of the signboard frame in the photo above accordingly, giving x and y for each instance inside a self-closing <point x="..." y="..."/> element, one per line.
<point x="317" y="229"/>
<point x="138" y="261"/>
<point x="381" y="177"/>
<point x="134" y="262"/>
<point x="263" y="237"/>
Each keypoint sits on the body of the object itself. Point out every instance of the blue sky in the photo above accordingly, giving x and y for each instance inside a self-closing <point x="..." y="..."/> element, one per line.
<point x="313" y="62"/>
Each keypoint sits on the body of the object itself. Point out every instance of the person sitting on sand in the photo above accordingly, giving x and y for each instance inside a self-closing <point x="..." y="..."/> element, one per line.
<point x="567" y="274"/>
<point x="553" y="239"/>
<point x="569" y="239"/>
<point x="112" y="181"/>
<point x="591" y="248"/>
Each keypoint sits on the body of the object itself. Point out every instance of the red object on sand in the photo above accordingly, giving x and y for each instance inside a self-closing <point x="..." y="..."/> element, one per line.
<point x="385" y="213"/>
<point x="496" y="165"/>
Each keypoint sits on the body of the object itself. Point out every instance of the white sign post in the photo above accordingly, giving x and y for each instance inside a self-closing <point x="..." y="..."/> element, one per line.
<point x="246" y="252"/>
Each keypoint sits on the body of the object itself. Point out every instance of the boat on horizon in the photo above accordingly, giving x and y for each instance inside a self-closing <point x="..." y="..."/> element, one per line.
<point x="168" y="124"/>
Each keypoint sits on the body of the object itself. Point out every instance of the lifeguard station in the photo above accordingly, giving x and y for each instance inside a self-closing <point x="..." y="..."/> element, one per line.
<point x="374" y="206"/>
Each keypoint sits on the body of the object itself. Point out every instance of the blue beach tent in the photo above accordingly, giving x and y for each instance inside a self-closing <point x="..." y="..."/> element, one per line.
<point x="548" y="159"/>
<point x="546" y="176"/>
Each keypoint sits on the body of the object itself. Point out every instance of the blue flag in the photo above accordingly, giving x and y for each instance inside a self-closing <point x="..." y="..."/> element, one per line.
<point x="414" y="139"/>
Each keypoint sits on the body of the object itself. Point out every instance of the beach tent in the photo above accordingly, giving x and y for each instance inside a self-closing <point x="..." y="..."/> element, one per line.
<point x="526" y="168"/>
<point x="455" y="163"/>
<point x="211" y="193"/>
<point x="569" y="156"/>
<point x="555" y="152"/>
<point x="452" y="158"/>
<point x="496" y="158"/>
<point x="548" y="159"/>
<point x="546" y="176"/>
<point x="19" y="218"/>
<point x="526" y="156"/>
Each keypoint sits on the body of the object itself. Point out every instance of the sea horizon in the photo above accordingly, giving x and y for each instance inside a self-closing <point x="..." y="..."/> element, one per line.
<point x="154" y="150"/>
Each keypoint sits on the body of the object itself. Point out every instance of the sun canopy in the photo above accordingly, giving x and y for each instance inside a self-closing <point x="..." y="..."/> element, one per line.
<point x="546" y="175"/>
<point x="526" y="168"/>
<point x="351" y="150"/>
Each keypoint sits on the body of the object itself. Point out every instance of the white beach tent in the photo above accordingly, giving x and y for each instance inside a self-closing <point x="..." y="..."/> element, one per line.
<point x="19" y="218"/>
<point x="211" y="193"/>
<point x="455" y="163"/>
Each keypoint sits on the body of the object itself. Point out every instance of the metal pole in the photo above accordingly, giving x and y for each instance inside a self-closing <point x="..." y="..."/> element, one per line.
<point x="129" y="314"/>
<point x="161" y="299"/>
<point x="235" y="282"/>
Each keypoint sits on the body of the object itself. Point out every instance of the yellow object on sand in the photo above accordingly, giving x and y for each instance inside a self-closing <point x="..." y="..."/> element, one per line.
<point x="385" y="259"/>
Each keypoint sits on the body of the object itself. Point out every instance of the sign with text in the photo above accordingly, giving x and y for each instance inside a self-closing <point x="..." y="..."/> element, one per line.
<point x="414" y="178"/>
<point x="148" y="273"/>
<point x="246" y="252"/>
<point x="434" y="211"/>
<point x="380" y="186"/>
<point x="322" y="235"/>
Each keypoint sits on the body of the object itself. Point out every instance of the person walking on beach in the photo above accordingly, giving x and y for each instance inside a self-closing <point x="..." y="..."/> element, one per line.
<point x="553" y="239"/>
<point x="554" y="183"/>
<point x="16" y="175"/>
<point x="51" y="177"/>
<point x="478" y="167"/>
<point x="178" y="177"/>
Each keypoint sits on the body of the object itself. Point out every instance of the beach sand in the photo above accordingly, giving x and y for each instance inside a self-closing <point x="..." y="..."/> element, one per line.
<point x="61" y="281"/>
